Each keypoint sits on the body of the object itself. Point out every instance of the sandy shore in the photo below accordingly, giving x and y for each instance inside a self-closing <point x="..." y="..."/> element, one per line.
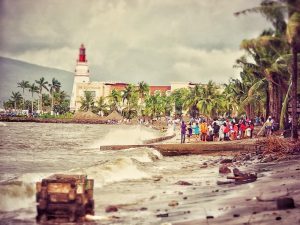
<point x="167" y="201"/>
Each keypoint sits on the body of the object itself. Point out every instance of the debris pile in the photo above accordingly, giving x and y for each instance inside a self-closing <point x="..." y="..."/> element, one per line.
<point x="277" y="148"/>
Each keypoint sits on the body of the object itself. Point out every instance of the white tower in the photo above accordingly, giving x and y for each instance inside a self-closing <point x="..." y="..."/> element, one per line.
<point x="82" y="75"/>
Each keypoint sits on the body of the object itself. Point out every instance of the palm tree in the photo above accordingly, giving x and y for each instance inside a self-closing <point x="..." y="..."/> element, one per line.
<point x="142" y="89"/>
<point x="87" y="102"/>
<point x="207" y="103"/>
<point x="16" y="98"/>
<point x="42" y="84"/>
<point x="129" y="98"/>
<point x="101" y="106"/>
<point x="23" y="84"/>
<point x="274" y="11"/>
<point x="179" y="96"/>
<point x="293" y="33"/>
<point x="54" y="86"/>
<point x="153" y="105"/>
<point x="33" y="89"/>
<point x="114" y="99"/>
<point x="192" y="99"/>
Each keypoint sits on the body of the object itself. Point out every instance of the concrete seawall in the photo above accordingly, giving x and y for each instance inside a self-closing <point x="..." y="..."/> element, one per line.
<point x="190" y="149"/>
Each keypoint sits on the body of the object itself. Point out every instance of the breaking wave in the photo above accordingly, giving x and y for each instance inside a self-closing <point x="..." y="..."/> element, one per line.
<point x="126" y="136"/>
<point x="131" y="164"/>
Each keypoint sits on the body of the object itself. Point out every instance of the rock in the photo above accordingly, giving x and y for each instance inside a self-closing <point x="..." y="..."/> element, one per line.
<point x="173" y="203"/>
<point x="183" y="183"/>
<point x="285" y="203"/>
<point x="224" y="169"/>
<point x="236" y="215"/>
<point x="180" y="193"/>
<point x="226" y="161"/>
<point x="111" y="208"/>
<point x="185" y="198"/>
<point x="278" y="218"/>
<point x="143" y="209"/>
<point x="209" y="217"/>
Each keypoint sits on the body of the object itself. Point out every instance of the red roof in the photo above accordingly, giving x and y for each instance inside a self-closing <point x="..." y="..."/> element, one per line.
<point x="159" y="88"/>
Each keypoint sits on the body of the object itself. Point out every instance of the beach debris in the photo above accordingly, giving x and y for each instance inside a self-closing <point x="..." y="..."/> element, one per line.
<point x="163" y="215"/>
<point x="143" y="208"/>
<point x="157" y="178"/>
<point x="173" y="203"/>
<point x="111" y="208"/>
<point x="181" y="182"/>
<point x="65" y="198"/>
<point x="226" y="161"/>
<point x="241" y="177"/>
<point x="224" y="169"/>
<point x="224" y="182"/>
<point x="209" y="217"/>
<point x="285" y="203"/>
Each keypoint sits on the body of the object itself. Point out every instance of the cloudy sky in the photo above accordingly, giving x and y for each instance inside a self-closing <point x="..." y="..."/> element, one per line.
<point x="131" y="40"/>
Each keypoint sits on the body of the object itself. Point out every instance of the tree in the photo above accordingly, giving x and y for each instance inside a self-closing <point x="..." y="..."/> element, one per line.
<point x="42" y="84"/>
<point x="101" y="106"/>
<point x="54" y="86"/>
<point x="293" y="34"/>
<point x="130" y="99"/>
<point x="142" y="89"/>
<point x="16" y="97"/>
<point x="153" y="105"/>
<point x="62" y="104"/>
<point x="114" y="99"/>
<point x="192" y="99"/>
<point x="87" y="102"/>
<point x="179" y="97"/>
<point x="33" y="89"/>
<point x="24" y="85"/>
<point x="208" y="102"/>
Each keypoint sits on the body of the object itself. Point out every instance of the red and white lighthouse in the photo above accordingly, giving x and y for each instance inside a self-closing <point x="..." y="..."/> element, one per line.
<point x="82" y="75"/>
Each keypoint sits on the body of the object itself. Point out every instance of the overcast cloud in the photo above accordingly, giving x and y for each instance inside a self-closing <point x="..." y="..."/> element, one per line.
<point x="131" y="40"/>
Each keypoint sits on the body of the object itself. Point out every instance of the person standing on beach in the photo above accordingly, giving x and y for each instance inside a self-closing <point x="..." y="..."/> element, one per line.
<point x="197" y="132"/>
<point x="204" y="130"/>
<point x="190" y="132"/>
<point x="183" y="131"/>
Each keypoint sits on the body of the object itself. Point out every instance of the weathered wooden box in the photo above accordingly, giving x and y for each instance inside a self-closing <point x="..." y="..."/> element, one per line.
<point x="62" y="196"/>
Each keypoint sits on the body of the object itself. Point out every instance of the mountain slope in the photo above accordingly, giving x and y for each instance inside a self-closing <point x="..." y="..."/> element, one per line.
<point x="13" y="71"/>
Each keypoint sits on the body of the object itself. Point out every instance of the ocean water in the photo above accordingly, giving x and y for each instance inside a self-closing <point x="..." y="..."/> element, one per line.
<point x="133" y="179"/>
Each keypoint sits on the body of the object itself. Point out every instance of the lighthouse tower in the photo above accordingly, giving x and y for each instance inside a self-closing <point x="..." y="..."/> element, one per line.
<point x="82" y="75"/>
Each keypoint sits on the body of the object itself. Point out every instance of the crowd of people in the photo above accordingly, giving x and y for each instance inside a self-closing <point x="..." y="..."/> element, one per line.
<point x="201" y="130"/>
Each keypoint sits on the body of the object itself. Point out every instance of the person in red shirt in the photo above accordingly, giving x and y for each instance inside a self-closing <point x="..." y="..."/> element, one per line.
<point x="243" y="129"/>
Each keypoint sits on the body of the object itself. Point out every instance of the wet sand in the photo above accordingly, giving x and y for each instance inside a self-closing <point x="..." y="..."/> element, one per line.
<point x="164" y="201"/>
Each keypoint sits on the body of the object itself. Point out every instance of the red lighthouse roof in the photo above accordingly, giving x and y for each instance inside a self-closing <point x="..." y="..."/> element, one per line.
<point x="82" y="57"/>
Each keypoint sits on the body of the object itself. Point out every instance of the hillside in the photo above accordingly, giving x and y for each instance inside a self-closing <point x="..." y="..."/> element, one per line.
<point x="13" y="71"/>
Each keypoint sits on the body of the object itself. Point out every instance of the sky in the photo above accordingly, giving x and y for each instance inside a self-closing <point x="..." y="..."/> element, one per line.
<point x="156" y="41"/>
